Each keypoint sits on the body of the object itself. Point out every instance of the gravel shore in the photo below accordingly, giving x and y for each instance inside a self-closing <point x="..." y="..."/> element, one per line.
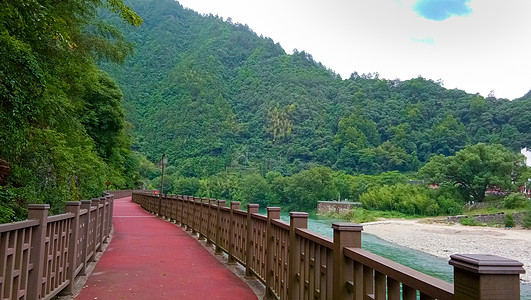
<point x="443" y="240"/>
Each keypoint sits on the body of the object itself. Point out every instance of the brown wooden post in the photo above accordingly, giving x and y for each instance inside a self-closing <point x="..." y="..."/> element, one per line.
<point x="159" y="207"/>
<point x="251" y="209"/>
<point x="72" y="207"/>
<point x="481" y="276"/>
<point x="221" y="203"/>
<point x="201" y="214"/>
<point x="95" y="202"/>
<point x="178" y="214"/>
<point x="109" y="217"/>
<point x="296" y="220"/>
<point x="194" y="213"/>
<point x="211" y="203"/>
<point x="187" y="213"/>
<point x="107" y="205"/>
<point x="345" y="235"/>
<point x="272" y="213"/>
<point x="85" y="204"/>
<point x="182" y="211"/>
<point x="184" y="207"/>
<point x="232" y="223"/>
<point x="37" y="212"/>
<point x="174" y="209"/>
<point x="112" y="214"/>
<point x="103" y="211"/>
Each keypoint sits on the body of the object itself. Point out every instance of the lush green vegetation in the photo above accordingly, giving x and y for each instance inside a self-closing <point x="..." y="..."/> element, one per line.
<point x="242" y="120"/>
<point x="238" y="117"/>
<point x="214" y="96"/>
<point x="62" y="126"/>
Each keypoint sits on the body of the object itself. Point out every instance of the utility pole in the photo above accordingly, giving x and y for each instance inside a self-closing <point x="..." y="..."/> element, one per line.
<point x="164" y="161"/>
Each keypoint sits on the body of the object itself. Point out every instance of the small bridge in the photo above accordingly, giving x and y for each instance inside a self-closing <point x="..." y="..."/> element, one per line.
<point x="152" y="259"/>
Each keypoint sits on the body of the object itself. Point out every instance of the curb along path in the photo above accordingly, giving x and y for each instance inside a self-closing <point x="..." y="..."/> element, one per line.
<point x="149" y="258"/>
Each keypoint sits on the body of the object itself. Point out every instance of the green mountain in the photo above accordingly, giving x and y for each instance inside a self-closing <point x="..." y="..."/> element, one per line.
<point x="213" y="95"/>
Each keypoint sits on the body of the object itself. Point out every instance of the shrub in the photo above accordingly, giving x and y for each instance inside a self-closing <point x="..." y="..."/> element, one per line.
<point x="526" y="221"/>
<point x="470" y="222"/>
<point x="450" y="206"/>
<point x="515" y="200"/>
<point x="509" y="221"/>
<point x="404" y="198"/>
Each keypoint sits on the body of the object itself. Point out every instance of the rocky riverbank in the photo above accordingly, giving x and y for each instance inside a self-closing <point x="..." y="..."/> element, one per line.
<point x="442" y="240"/>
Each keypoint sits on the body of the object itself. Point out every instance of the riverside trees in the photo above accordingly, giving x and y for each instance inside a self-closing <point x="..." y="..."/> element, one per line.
<point x="476" y="168"/>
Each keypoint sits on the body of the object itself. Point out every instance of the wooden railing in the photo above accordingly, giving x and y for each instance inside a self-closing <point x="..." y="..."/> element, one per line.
<point x="296" y="263"/>
<point x="42" y="256"/>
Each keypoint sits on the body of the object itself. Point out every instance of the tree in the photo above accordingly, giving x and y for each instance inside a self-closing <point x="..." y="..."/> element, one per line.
<point x="475" y="168"/>
<point x="305" y="188"/>
<point x="254" y="189"/>
<point x="279" y="125"/>
<point x="48" y="82"/>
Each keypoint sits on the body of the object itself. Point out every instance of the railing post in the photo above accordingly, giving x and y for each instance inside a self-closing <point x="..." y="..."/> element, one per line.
<point x="186" y="213"/>
<point x="72" y="207"/>
<point x="192" y="220"/>
<point x="85" y="204"/>
<point x="211" y="203"/>
<point x="481" y="276"/>
<point x="159" y="208"/>
<point x="38" y="212"/>
<point x="182" y="211"/>
<point x="221" y="203"/>
<point x="103" y="223"/>
<point x="95" y="202"/>
<point x="184" y="207"/>
<point x="111" y="213"/>
<point x="201" y="213"/>
<point x="296" y="220"/>
<point x="251" y="209"/>
<point x="272" y="213"/>
<point x="345" y="235"/>
<point x="173" y="217"/>
<point x="232" y="223"/>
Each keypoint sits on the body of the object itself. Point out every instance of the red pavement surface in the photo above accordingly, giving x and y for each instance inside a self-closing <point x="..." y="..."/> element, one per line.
<point x="152" y="259"/>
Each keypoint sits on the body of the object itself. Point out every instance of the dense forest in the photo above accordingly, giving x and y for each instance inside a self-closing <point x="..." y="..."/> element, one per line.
<point x="213" y="96"/>
<point x="63" y="132"/>
<point x="216" y="98"/>
<point x="237" y="116"/>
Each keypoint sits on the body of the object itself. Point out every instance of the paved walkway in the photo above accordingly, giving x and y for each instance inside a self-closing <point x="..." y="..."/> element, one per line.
<point x="152" y="259"/>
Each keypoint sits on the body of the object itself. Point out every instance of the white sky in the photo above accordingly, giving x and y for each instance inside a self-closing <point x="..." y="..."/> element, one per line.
<point x="489" y="49"/>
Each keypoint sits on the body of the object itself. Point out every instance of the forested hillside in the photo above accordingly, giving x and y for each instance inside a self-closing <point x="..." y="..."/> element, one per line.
<point x="213" y="96"/>
<point x="63" y="132"/>
<point x="237" y="116"/>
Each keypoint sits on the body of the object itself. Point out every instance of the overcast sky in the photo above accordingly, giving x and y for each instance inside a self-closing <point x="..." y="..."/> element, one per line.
<point x="474" y="45"/>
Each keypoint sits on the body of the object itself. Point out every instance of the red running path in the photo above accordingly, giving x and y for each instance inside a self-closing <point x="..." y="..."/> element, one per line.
<point x="149" y="258"/>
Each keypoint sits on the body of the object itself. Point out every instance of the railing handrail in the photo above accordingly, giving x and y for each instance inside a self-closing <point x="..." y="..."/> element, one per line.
<point x="60" y="217"/>
<point x="18" y="225"/>
<point x="316" y="237"/>
<point x="280" y="223"/>
<point x="429" y="285"/>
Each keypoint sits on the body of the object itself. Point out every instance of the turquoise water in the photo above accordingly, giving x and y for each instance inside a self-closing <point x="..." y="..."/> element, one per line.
<point x="420" y="261"/>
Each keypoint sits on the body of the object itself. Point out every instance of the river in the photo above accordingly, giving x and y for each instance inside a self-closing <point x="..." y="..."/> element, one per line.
<point x="420" y="261"/>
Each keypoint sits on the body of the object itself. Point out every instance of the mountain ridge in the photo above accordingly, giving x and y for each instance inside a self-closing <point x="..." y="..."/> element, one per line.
<point x="213" y="95"/>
